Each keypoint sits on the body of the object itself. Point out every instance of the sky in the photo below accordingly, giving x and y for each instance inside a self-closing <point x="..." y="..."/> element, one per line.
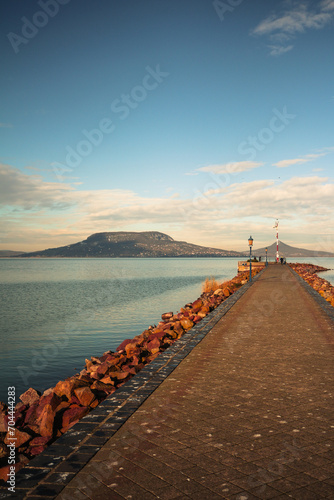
<point x="206" y="120"/>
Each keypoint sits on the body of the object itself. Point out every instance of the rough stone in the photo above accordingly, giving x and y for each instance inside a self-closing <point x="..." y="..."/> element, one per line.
<point x="30" y="396"/>
<point x="20" y="438"/>
<point x="73" y="414"/>
<point x="46" y="420"/>
<point x="84" y="395"/>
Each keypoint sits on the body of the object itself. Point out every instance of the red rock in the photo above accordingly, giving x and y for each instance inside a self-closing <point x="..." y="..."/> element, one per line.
<point x="36" y="450"/>
<point x="30" y="397"/>
<point x="73" y="414"/>
<point x="119" y="375"/>
<point x="3" y="421"/>
<point x="62" y="405"/>
<point x="129" y="369"/>
<point x="94" y="403"/>
<point x="4" y="471"/>
<point x="74" y="401"/>
<point x="52" y="399"/>
<point x="66" y="387"/>
<point x="102" y="369"/>
<point x="17" y="437"/>
<point x="196" y="306"/>
<point x="46" y="420"/>
<point x="178" y="328"/>
<point x="186" y="323"/>
<point x="122" y="346"/>
<point x="166" y="316"/>
<point x="154" y="346"/>
<point x="3" y="450"/>
<point x="39" y="441"/>
<point x="156" y="335"/>
<point x="84" y="395"/>
<point x="130" y="348"/>
<point x="107" y="380"/>
<point x="107" y="356"/>
<point x="47" y="391"/>
<point x="106" y="388"/>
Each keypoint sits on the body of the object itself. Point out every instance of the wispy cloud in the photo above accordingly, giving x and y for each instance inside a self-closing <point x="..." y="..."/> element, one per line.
<point x="278" y="50"/>
<point x="296" y="161"/>
<point x="231" y="168"/>
<point x="282" y="28"/>
<point x="6" y="125"/>
<point x="288" y="163"/>
<point x="37" y="214"/>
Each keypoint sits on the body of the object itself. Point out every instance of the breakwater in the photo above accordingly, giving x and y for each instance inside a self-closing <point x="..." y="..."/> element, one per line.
<point x="39" y="419"/>
<point x="309" y="272"/>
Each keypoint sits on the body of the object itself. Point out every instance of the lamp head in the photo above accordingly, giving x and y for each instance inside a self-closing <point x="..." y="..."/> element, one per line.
<point x="250" y="241"/>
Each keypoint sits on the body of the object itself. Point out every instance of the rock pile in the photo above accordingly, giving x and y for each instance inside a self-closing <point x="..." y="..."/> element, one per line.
<point x="309" y="273"/>
<point x="41" y="418"/>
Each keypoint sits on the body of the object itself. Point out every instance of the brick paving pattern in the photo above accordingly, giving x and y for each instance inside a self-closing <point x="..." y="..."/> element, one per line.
<point x="248" y="414"/>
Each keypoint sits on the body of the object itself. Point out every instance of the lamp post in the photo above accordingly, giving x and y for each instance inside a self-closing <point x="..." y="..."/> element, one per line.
<point x="266" y="257"/>
<point x="250" y="243"/>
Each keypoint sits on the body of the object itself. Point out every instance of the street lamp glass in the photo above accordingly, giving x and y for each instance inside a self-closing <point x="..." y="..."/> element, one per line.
<point x="250" y="241"/>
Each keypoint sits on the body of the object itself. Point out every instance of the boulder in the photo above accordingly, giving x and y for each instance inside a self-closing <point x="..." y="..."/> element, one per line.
<point x="84" y="395"/>
<point x="72" y="415"/>
<point x="62" y="405"/>
<point x="131" y="348"/>
<point x="166" y="316"/>
<point x="4" y="471"/>
<point x="3" y="421"/>
<point x="17" y="437"/>
<point x="153" y="346"/>
<point x="102" y="369"/>
<point x="122" y="346"/>
<point x="45" y="421"/>
<point x="102" y="387"/>
<point x="156" y="334"/>
<point x="30" y="396"/>
<point x="3" y="450"/>
<point x="119" y="375"/>
<point x="36" y="450"/>
<point x="186" y="323"/>
<point x="66" y="387"/>
<point x="52" y="399"/>
<point x="197" y="305"/>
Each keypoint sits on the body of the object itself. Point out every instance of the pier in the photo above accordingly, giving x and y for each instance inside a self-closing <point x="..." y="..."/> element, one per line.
<point x="240" y="408"/>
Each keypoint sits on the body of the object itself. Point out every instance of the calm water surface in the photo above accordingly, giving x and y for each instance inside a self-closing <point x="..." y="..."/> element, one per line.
<point x="54" y="313"/>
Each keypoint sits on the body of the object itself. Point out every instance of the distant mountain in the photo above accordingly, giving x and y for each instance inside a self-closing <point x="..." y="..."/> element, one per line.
<point x="10" y="253"/>
<point x="132" y="244"/>
<point x="288" y="251"/>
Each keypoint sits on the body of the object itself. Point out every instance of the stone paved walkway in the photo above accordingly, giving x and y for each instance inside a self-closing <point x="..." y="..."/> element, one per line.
<point x="247" y="414"/>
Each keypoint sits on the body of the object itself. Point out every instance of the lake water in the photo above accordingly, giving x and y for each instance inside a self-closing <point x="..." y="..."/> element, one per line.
<point x="54" y="313"/>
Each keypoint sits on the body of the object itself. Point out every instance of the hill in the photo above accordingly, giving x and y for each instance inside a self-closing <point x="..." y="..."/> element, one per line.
<point x="10" y="253"/>
<point x="132" y="244"/>
<point x="288" y="251"/>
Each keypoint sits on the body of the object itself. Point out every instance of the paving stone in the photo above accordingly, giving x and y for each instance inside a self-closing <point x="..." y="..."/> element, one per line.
<point x="241" y="412"/>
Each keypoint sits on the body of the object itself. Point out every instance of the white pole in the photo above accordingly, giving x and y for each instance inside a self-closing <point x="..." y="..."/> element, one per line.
<point x="276" y="227"/>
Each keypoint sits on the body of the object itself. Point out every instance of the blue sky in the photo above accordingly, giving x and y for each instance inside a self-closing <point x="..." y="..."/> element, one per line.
<point x="206" y="120"/>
